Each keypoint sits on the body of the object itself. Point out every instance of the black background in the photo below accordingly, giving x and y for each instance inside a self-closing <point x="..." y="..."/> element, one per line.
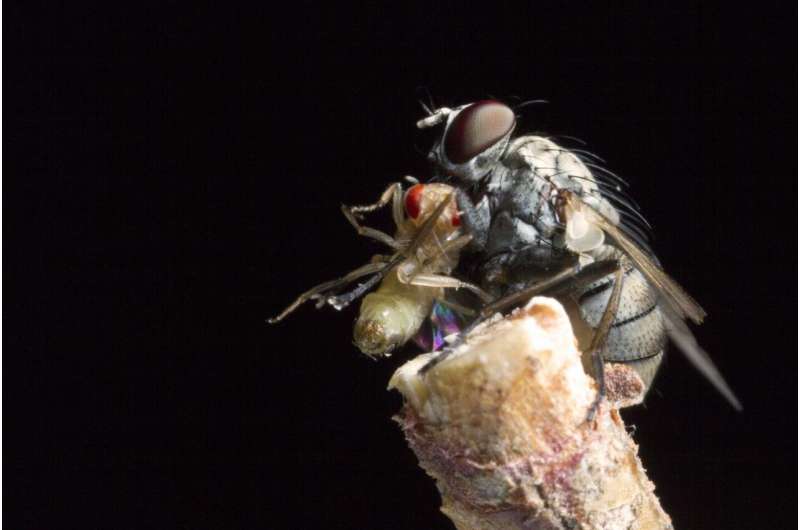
<point x="173" y="176"/>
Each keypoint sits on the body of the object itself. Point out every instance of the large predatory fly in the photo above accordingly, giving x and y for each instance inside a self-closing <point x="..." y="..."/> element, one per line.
<point x="543" y="218"/>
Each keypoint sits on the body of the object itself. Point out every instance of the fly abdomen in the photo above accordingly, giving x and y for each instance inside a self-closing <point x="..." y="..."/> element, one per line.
<point x="638" y="335"/>
<point x="392" y="315"/>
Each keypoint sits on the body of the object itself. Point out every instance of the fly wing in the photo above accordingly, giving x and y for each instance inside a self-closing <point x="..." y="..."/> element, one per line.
<point x="446" y="318"/>
<point x="684" y="339"/>
<point x="678" y="304"/>
<point x="674" y="295"/>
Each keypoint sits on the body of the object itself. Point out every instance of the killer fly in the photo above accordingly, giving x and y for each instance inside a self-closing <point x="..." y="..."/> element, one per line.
<point x="542" y="221"/>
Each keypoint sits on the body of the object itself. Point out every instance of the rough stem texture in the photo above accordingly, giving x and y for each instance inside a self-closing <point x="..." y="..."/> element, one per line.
<point x="501" y="425"/>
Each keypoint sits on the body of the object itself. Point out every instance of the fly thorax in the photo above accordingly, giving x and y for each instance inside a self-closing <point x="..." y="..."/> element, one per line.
<point x="602" y="205"/>
<point x="605" y="252"/>
<point x="508" y="232"/>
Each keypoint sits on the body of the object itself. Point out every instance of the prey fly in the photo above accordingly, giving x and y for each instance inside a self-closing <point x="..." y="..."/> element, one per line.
<point x="411" y="301"/>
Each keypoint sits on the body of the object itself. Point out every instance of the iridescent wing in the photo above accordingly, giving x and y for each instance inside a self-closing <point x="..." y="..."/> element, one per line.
<point x="445" y="319"/>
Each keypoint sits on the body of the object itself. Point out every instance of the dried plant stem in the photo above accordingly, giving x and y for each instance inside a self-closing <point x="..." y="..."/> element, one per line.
<point x="501" y="426"/>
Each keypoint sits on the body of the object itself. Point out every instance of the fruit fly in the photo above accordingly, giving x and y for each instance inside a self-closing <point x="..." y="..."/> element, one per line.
<point x="542" y="221"/>
<point x="413" y="279"/>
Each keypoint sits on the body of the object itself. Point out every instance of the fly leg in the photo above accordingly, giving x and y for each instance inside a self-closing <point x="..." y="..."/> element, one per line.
<point x="378" y="267"/>
<point x="599" y="341"/>
<point x="343" y="300"/>
<point x="474" y="218"/>
<point x="557" y="283"/>
<point x="393" y="193"/>
<point x="448" y="282"/>
<point x="319" y="291"/>
<point x="568" y="279"/>
<point x="387" y="195"/>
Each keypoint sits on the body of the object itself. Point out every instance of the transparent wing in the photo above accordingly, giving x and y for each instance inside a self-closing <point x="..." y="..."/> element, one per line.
<point x="672" y="293"/>
<point x="676" y="305"/>
<point x="684" y="339"/>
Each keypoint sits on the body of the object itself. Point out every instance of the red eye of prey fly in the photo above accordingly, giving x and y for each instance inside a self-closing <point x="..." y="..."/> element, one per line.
<point x="413" y="198"/>
<point x="476" y="128"/>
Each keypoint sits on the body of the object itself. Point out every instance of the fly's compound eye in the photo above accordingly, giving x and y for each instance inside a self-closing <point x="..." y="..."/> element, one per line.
<point x="421" y="197"/>
<point x="413" y="201"/>
<point x="476" y="128"/>
<point x="455" y="219"/>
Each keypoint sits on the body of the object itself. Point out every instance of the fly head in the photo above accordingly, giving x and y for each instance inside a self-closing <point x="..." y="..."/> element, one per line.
<point x="474" y="138"/>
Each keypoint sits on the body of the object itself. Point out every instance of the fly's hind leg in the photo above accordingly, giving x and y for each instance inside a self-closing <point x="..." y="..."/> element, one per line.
<point x="566" y="279"/>
<point x="599" y="341"/>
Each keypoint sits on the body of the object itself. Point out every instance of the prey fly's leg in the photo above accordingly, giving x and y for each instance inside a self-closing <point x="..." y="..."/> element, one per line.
<point x="577" y="274"/>
<point x="448" y="282"/>
<point x="451" y="247"/>
<point x="379" y="266"/>
<point x="398" y="211"/>
<point x="393" y="193"/>
<point x="371" y="233"/>
<point x="343" y="300"/>
<point x="319" y="291"/>
<point x="447" y="250"/>
<point x="386" y="196"/>
<point x="599" y="340"/>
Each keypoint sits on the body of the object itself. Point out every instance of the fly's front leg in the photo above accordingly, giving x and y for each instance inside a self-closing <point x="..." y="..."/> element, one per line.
<point x="556" y="283"/>
<point x="474" y="218"/>
<point x="393" y="193"/>
<point x="599" y="341"/>
<point x="568" y="278"/>
<point x="496" y="306"/>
